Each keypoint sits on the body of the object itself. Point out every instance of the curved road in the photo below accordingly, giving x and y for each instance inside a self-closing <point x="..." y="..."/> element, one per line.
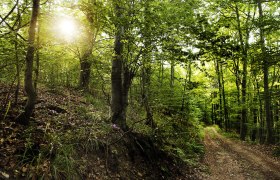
<point x="231" y="160"/>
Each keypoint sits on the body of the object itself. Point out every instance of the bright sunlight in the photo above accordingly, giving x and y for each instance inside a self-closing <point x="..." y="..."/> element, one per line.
<point x="67" y="29"/>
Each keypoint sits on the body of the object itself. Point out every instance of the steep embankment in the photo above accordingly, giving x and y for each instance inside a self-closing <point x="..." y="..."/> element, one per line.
<point x="229" y="159"/>
<point x="71" y="137"/>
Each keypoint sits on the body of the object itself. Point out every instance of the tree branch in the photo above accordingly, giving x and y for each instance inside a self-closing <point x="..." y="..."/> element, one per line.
<point x="11" y="28"/>
<point x="9" y="13"/>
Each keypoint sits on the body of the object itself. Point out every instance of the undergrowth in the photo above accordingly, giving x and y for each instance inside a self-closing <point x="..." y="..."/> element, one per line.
<point x="69" y="143"/>
<point x="181" y="137"/>
<point x="276" y="151"/>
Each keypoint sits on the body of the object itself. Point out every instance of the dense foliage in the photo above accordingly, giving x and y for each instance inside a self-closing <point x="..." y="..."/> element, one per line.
<point x="161" y="68"/>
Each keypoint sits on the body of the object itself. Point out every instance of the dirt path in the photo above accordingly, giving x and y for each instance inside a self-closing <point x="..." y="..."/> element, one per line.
<point x="228" y="159"/>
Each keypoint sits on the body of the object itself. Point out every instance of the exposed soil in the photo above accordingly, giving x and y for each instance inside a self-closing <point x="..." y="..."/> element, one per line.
<point x="230" y="159"/>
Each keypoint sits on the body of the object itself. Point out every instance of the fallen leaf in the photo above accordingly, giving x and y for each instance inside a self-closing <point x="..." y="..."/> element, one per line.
<point x="24" y="169"/>
<point x="5" y="175"/>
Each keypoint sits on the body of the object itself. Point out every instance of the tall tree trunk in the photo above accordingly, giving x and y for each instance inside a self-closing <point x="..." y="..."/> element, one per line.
<point x="85" y="62"/>
<point x="184" y="92"/>
<point x="85" y="68"/>
<point x="116" y="79"/>
<point x="255" y="119"/>
<point x="188" y="81"/>
<point x="215" y="108"/>
<point x="226" y="116"/>
<point x="17" y="56"/>
<point x="218" y="72"/>
<point x="17" y="69"/>
<point x="237" y="84"/>
<point x="162" y="72"/>
<point x="92" y="31"/>
<point x="172" y="75"/>
<point x="146" y="68"/>
<point x="244" y="50"/>
<point x="126" y="83"/>
<point x="243" y="127"/>
<point x="213" y="113"/>
<point x="261" y="128"/>
<point x="277" y="128"/>
<point x="24" y="117"/>
<point x="146" y="76"/>
<point x="37" y="59"/>
<point x="118" y="96"/>
<point x="267" y="100"/>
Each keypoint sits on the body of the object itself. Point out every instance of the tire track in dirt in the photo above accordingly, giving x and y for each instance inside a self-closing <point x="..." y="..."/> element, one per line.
<point x="230" y="160"/>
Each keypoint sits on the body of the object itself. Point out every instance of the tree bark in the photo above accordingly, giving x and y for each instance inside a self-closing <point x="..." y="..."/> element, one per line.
<point x="85" y="62"/>
<point x="94" y="21"/>
<point x="226" y="116"/>
<point x="18" y="69"/>
<point x="146" y="75"/>
<point x="244" y="50"/>
<point x="184" y="92"/>
<point x="119" y="99"/>
<point x="85" y="66"/>
<point x="267" y="100"/>
<point x="146" y="68"/>
<point x="17" y="56"/>
<point x="172" y="74"/>
<point x="126" y="83"/>
<point x="37" y="60"/>
<point x="24" y="117"/>
<point x="261" y="120"/>
<point x="220" y="117"/>
<point x="255" y="120"/>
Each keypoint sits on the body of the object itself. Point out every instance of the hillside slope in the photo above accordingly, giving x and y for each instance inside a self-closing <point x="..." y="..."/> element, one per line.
<point x="70" y="137"/>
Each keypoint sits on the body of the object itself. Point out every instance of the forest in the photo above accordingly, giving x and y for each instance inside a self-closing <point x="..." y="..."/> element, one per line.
<point x="140" y="89"/>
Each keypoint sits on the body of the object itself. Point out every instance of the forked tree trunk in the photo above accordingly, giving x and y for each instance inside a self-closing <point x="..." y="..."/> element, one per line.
<point x="24" y="117"/>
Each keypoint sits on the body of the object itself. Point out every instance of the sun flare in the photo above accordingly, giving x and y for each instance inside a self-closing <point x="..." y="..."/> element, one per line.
<point x="67" y="29"/>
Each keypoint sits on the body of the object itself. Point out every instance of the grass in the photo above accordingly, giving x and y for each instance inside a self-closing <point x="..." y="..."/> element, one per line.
<point x="212" y="130"/>
<point x="276" y="151"/>
<point x="64" y="165"/>
<point x="182" y="138"/>
<point x="58" y="145"/>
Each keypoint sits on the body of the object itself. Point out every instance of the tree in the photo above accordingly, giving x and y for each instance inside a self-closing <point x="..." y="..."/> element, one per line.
<point x="243" y="41"/>
<point x="24" y="117"/>
<point x="146" y="62"/>
<point x="267" y="100"/>
<point x="93" y="12"/>
<point x="117" y="105"/>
